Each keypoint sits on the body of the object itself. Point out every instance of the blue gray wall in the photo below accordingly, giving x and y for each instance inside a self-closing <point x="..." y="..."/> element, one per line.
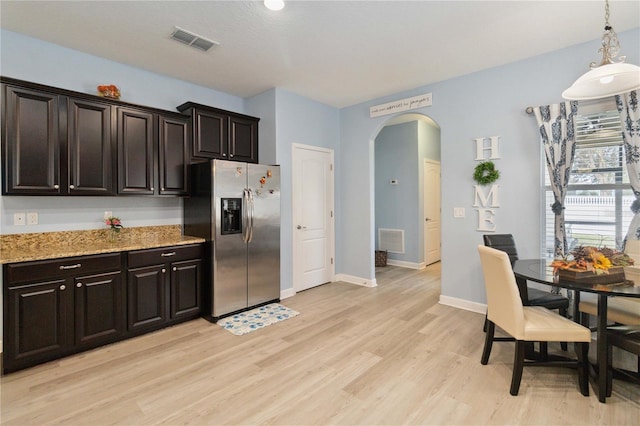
<point x="483" y="104"/>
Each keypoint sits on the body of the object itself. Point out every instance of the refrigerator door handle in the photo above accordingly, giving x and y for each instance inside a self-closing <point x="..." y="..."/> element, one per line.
<point x="250" y="215"/>
<point x="245" y="215"/>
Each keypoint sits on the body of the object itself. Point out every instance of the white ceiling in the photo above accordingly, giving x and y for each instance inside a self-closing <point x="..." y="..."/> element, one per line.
<point x="336" y="52"/>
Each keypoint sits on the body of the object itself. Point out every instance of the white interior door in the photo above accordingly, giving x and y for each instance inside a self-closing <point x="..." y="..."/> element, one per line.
<point x="313" y="203"/>
<point x="431" y="212"/>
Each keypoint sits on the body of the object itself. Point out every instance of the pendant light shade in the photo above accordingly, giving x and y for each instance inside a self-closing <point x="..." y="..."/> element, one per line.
<point x="603" y="81"/>
<point x="611" y="77"/>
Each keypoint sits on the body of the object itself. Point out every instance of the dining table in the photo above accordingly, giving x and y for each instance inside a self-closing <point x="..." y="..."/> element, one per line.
<point x="540" y="271"/>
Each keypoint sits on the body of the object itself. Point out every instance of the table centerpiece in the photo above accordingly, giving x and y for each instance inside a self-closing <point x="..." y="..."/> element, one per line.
<point x="591" y="264"/>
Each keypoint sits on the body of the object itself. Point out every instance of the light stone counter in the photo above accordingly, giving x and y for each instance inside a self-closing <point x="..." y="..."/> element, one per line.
<point x="53" y="245"/>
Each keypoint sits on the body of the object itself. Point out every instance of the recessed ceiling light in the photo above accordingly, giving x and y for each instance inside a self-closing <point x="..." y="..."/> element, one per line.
<point x="274" y="4"/>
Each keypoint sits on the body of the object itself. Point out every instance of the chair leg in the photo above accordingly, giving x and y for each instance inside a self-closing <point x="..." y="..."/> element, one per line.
<point x="564" y="313"/>
<point x="518" y="365"/>
<point x="582" y="352"/>
<point x="544" y="351"/>
<point x="488" y="342"/>
<point x="484" y="327"/>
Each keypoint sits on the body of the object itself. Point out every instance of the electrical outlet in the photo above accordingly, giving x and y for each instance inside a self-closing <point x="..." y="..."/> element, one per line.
<point x="19" y="219"/>
<point x="32" y="218"/>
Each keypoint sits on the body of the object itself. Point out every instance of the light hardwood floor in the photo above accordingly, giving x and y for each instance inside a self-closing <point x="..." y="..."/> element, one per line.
<point x="355" y="355"/>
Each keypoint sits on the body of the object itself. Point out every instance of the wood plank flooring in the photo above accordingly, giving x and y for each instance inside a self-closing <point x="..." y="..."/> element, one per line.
<point x="389" y="355"/>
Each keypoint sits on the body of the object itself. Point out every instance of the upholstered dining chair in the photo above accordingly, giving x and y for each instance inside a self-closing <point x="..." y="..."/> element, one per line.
<point x="626" y="337"/>
<point x="526" y="323"/>
<point x="529" y="295"/>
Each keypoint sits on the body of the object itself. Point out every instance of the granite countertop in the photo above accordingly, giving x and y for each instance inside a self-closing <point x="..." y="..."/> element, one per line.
<point x="54" y="245"/>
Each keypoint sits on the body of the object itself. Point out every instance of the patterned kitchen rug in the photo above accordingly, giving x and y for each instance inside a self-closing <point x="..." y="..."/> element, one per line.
<point x="255" y="319"/>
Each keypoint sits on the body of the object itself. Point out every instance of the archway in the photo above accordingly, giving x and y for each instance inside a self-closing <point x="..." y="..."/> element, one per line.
<point x="405" y="149"/>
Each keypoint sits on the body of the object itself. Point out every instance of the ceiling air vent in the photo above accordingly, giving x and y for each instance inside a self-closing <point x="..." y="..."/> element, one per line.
<point x="193" y="40"/>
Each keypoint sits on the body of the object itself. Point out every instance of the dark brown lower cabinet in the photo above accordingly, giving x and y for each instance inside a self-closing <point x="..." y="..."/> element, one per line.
<point x="164" y="286"/>
<point x="56" y="307"/>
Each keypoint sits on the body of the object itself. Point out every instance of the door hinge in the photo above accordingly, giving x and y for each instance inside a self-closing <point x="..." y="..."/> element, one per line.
<point x="332" y="260"/>
<point x="331" y="167"/>
<point x="331" y="213"/>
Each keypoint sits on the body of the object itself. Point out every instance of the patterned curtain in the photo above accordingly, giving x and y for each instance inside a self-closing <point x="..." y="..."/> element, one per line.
<point x="630" y="118"/>
<point x="558" y="138"/>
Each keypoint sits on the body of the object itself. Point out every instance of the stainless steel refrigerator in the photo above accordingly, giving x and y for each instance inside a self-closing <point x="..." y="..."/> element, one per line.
<point x="236" y="208"/>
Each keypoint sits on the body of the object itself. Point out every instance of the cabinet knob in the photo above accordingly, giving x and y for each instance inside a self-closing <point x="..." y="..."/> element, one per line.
<point x="224" y="155"/>
<point x="161" y="189"/>
<point x="72" y="187"/>
<point x="79" y="285"/>
<point x="230" y="155"/>
<point x="62" y="287"/>
<point x="164" y="270"/>
<point x="175" y="269"/>
<point x="56" y="186"/>
<point x="151" y="188"/>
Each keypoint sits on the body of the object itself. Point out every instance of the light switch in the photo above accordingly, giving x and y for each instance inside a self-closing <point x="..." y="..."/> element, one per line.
<point x="458" y="212"/>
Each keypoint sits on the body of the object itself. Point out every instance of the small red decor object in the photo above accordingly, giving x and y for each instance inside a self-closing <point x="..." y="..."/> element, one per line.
<point x="109" y="91"/>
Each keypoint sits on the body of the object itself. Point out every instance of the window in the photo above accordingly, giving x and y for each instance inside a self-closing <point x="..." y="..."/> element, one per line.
<point x="599" y="197"/>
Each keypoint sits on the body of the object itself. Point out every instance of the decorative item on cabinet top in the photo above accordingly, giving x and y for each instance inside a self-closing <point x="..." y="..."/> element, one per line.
<point x="109" y="91"/>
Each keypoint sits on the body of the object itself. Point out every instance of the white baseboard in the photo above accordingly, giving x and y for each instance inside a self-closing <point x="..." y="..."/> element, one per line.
<point x="403" y="264"/>
<point x="351" y="279"/>
<point x="463" y="304"/>
<point x="286" y="293"/>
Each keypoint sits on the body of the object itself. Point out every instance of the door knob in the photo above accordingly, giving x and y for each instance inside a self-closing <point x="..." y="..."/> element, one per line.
<point x="427" y="219"/>
<point x="299" y="227"/>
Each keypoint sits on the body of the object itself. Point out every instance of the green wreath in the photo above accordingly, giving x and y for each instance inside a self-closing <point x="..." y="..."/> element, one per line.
<point x="486" y="173"/>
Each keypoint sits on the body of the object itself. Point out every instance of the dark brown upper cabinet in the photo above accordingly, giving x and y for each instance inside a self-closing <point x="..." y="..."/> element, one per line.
<point x="222" y="134"/>
<point x="60" y="142"/>
<point x="173" y="145"/>
<point x="91" y="151"/>
<point x="136" y="152"/>
<point x="153" y="152"/>
<point x="30" y="141"/>
<point x="56" y="145"/>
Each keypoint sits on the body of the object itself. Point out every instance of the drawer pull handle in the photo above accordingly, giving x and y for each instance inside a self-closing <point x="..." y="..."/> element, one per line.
<point x="173" y="253"/>
<point x="62" y="287"/>
<point x="76" y="266"/>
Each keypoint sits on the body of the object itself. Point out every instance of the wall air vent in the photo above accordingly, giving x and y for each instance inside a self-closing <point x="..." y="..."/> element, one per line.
<point x="193" y="40"/>
<point x="391" y="240"/>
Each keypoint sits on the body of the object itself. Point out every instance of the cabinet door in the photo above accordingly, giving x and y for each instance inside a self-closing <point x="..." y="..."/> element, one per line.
<point x="243" y="140"/>
<point x="38" y="323"/>
<point x="146" y="297"/>
<point x="91" y="148"/>
<point x="31" y="142"/>
<point x="186" y="294"/>
<point x="174" y="155"/>
<point x="210" y="134"/>
<point x="99" y="311"/>
<point x="136" y="168"/>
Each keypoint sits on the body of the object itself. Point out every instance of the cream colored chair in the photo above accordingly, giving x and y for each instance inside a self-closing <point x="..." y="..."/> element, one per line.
<point x="526" y="323"/>
<point x="621" y="310"/>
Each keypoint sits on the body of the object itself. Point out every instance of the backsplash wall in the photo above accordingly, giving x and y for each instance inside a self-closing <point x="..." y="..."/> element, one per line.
<point x="77" y="213"/>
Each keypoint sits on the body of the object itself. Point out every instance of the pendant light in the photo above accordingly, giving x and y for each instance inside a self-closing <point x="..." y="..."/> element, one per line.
<point x="611" y="77"/>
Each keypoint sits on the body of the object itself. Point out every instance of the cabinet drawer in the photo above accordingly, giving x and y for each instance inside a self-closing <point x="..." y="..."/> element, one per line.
<point x="69" y="266"/>
<point x="163" y="255"/>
